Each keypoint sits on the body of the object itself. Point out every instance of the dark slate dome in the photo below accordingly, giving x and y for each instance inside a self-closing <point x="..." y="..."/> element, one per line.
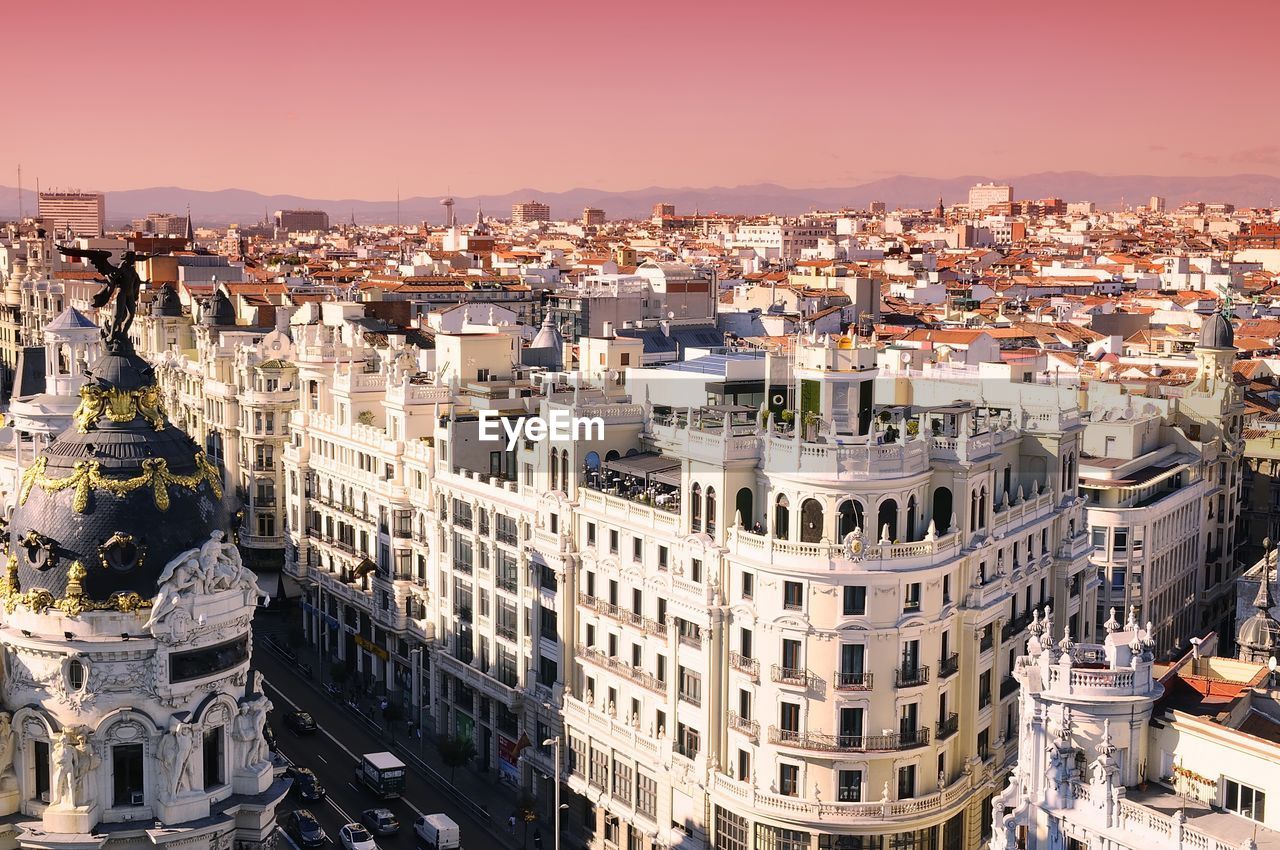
<point x="114" y="498"/>
<point x="218" y="310"/>
<point x="1217" y="332"/>
<point x="166" y="303"/>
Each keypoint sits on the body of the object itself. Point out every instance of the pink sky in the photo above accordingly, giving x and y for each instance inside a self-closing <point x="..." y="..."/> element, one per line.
<point x="494" y="96"/>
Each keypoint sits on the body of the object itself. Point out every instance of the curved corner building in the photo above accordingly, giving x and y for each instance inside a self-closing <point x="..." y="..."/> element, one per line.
<point x="801" y="635"/>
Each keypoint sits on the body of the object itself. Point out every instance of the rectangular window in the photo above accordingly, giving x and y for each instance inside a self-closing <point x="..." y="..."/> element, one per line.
<point x="855" y="600"/>
<point x="791" y="654"/>
<point x="849" y="786"/>
<point x="911" y="602"/>
<point x="663" y="557"/>
<point x="42" y="771"/>
<point x="1245" y="801"/>
<point x="213" y="757"/>
<point x="622" y="781"/>
<point x="637" y="549"/>
<point x="788" y="779"/>
<point x="690" y="685"/>
<point x="695" y="570"/>
<point x="748" y="585"/>
<point x="789" y="717"/>
<point x="591" y="534"/>
<point x="126" y="774"/>
<point x="613" y="541"/>
<point x="646" y="795"/>
<point x="906" y="782"/>
<point x="792" y="595"/>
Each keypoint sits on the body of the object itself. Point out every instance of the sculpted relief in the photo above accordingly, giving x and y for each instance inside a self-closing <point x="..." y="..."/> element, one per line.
<point x="193" y="576"/>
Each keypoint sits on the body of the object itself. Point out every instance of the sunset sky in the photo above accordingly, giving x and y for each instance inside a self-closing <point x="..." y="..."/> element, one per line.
<point x="496" y="96"/>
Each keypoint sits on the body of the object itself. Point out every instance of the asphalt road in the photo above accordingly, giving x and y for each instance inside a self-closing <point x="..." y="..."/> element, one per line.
<point x="332" y="753"/>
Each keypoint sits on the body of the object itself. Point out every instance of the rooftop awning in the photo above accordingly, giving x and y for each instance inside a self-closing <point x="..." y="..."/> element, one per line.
<point x="642" y="465"/>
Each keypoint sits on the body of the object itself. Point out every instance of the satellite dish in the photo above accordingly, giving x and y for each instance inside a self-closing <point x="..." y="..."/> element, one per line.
<point x="670" y="315"/>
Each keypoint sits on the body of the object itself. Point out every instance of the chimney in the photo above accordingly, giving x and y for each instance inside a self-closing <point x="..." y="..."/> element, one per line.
<point x="608" y="330"/>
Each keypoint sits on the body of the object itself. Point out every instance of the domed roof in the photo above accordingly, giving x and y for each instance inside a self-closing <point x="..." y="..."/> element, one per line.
<point x="218" y="310"/>
<point x="166" y="303"/>
<point x="1259" y="636"/>
<point x="1217" y="332"/>
<point x="112" y="500"/>
<point x="548" y="335"/>
<point x="547" y="347"/>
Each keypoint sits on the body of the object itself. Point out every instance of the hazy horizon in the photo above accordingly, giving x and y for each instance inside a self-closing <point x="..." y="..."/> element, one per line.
<point x="286" y="99"/>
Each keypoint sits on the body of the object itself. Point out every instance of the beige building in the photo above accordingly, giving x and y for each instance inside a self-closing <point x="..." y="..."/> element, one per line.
<point x="83" y="213"/>
<point x="528" y="212"/>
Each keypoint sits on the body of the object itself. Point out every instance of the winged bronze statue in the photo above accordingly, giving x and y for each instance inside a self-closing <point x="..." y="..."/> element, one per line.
<point x="123" y="282"/>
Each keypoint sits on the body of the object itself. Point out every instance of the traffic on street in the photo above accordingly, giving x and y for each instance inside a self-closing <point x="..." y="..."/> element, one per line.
<point x="324" y="753"/>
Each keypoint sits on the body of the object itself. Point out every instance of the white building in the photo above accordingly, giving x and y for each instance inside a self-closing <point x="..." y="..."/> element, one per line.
<point x="985" y="195"/>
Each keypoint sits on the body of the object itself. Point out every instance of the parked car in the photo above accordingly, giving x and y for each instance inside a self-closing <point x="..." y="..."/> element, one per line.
<point x="380" y="821"/>
<point x="303" y="827"/>
<point x="355" y="837"/>
<point x="300" y="722"/>
<point x="269" y="734"/>
<point x="306" y="783"/>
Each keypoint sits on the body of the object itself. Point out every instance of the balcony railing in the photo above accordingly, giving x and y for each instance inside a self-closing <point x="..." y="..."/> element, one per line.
<point x="848" y="743"/>
<point x="859" y="681"/>
<point x="1007" y="686"/>
<point x="909" y="677"/>
<point x="949" y="665"/>
<point x="1015" y="626"/>
<point x="617" y="665"/>
<point x="507" y="583"/>
<point x="743" y="664"/>
<point x="790" y="675"/>
<point x="750" y="728"/>
<point x="645" y="624"/>
<point x="948" y="726"/>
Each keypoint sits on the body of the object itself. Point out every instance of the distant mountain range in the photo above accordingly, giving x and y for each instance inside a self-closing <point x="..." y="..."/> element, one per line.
<point x="240" y="205"/>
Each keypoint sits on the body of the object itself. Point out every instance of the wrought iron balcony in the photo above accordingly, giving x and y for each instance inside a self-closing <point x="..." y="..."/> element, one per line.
<point x="949" y="665"/>
<point x="743" y="664"/>
<point x="859" y="681"/>
<point x="948" y="726"/>
<point x="909" y="677"/>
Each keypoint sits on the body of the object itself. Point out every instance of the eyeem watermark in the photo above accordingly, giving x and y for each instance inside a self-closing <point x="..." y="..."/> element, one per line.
<point x="560" y="427"/>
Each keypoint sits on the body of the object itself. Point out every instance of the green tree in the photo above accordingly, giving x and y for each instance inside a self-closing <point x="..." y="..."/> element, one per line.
<point x="456" y="752"/>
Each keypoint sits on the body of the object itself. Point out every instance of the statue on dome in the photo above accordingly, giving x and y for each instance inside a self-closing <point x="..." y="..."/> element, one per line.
<point x="123" y="283"/>
<point x="8" y="776"/>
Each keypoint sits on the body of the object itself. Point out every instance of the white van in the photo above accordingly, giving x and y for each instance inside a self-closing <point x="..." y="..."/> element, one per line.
<point x="438" y="832"/>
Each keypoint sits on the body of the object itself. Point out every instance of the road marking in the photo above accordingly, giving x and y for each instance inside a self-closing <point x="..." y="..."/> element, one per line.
<point x="346" y="818"/>
<point x="419" y="812"/>
<point x="322" y="758"/>
<point x="353" y="787"/>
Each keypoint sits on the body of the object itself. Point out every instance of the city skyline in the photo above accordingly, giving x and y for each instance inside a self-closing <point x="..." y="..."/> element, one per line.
<point x="667" y="96"/>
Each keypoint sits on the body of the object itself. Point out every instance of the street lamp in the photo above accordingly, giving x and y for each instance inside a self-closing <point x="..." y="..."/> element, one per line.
<point x="555" y="742"/>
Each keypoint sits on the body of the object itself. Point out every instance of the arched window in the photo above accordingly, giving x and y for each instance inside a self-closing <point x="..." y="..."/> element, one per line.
<point x="888" y="516"/>
<point x="592" y="461"/>
<point x="911" y="520"/>
<point x="982" y="508"/>
<point x="782" y="517"/>
<point x="973" y="511"/>
<point x="564" y="470"/>
<point x="612" y="454"/>
<point x="711" y="510"/>
<point x="695" y="508"/>
<point x="743" y="504"/>
<point x="942" y="509"/>
<point x="555" y="468"/>
<point x="810" y="521"/>
<point x="851" y="517"/>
